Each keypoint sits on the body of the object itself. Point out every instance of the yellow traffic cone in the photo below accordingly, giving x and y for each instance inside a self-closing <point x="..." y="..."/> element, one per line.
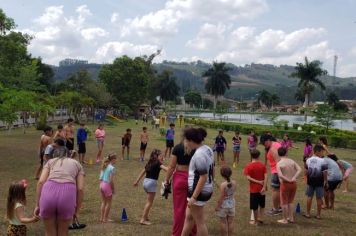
<point x="90" y="161"/>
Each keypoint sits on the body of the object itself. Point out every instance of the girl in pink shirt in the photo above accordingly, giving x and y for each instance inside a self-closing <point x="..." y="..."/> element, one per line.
<point x="100" y="137"/>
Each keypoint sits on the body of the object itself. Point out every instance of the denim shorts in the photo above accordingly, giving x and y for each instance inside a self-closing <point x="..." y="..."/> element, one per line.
<point x="275" y="181"/>
<point x="236" y="148"/>
<point x="319" y="191"/>
<point x="150" y="185"/>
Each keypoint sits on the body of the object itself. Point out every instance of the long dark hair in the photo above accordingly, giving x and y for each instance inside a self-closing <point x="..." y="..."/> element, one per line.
<point x="308" y="142"/>
<point x="153" y="159"/>
<point x="16" y="195"/>
<point x="323" y="140"/>
<point x="226" y="172"/>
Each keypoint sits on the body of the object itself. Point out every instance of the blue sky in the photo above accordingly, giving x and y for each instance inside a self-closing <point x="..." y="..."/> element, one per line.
<point x="237" y="31"/>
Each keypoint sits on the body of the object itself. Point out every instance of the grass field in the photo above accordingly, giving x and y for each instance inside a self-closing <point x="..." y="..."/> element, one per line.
<point x="18" y="160"/>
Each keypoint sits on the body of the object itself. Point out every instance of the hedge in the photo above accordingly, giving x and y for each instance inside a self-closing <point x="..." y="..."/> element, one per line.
<point x="342" y="139"/>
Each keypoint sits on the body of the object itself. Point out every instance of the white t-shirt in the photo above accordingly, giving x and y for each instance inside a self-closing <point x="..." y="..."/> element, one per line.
<point x="201" y="163"/>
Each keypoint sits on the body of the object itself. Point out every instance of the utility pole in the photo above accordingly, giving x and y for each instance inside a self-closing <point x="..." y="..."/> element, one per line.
<point x="335" y="64"/>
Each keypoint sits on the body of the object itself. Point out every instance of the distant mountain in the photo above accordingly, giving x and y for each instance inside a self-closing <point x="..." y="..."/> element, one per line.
<point x="246" y="80"/>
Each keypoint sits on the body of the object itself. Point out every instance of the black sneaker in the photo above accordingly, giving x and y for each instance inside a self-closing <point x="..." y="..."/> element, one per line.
<point x="77" y="226"/>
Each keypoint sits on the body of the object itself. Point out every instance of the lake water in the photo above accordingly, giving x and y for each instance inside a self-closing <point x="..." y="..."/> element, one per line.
<point x="345" y="124"/>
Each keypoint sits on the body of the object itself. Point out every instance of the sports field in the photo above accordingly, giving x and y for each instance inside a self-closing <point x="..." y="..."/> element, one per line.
<point x="18" y="160"/>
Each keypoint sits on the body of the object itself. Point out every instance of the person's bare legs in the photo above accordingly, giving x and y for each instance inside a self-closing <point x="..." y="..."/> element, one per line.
<point x="102" y="207"/>
<point x="284" y="214"/>
<point x="146" y="210"/>
<point x="128" y="152"/>
<point x="123" y="152"/>
<point x="165" y="153"/>
<point x="237" y="157"/>
<point x="230" y="225"/>
<point x="100" y="151"/>
<point x="38" y="172"/>
<point x="276" y="198"/>
<point x="50" y="227"/>
<point x="62" y="227"/>
<point x="319" y="202"/>
<point x="197" y="212"/>
<point x="261" y="214"/>
<point x="326" y="200"/>
<point x="346" y="181"/>
<point x="331" y="199"/>
<point x="291" y="212"/>
<point x="309" y="203"/>
<point x="107" y="209"/>
<point x="222" y="159"/>
<point x="223" y="227"/>
<point x="188" y="222"/>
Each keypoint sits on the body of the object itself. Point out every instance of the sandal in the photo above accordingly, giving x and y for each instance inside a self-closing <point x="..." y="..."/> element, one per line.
<point x="145" y="222"/>
<point x="318" y="217"/>
<point x="76" y="224"/>
<point x="283" y="221"/>
<point x="306" y="216"/>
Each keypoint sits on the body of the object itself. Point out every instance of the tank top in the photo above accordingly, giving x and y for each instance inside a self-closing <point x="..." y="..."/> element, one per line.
<point x="229" y="200"/>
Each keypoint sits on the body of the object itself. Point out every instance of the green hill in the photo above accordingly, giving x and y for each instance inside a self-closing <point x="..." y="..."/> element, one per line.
<point x="246" y="80"/>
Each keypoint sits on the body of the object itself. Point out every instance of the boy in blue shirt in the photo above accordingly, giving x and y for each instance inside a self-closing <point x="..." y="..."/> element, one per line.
<point x="169" y="140"/>
<point x="81" y="138"/>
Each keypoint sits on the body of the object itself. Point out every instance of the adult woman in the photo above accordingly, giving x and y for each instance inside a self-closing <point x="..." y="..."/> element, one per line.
<point x="178" y="167"/>
<point x="100" y="137"/>
<point x="200" y="181"/>
<point x="59" y="193"/>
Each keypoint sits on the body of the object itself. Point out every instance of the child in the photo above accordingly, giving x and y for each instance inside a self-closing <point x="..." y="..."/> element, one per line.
<point x="346" y="170"/>
<point x="287" y="143"/>
<point x="107" y="186"/>
<point x="316" y="179"/>
<point x="226" y="203"/>
<point x="152" y="169"/>
<point x="308" y="149"/>
<point x="100" y="137"/>
<point x="46" y="139"/>
<point x="252" y="141"/>
<point x="256" y="174"/>
<point x="81" y="138"/>
<point x="16" y="202"/>
<point x="169" y="140"/>
<point x="220" y="147"/>
<point x="126" y="139"/>
<point x="288" y="171"/>
<point x="236" y="143"/>
<point x="143" y="146"/>
<point x="59" y="133"/>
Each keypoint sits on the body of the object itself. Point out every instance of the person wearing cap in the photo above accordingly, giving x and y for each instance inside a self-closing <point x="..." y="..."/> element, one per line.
<point x="273" y="158"/>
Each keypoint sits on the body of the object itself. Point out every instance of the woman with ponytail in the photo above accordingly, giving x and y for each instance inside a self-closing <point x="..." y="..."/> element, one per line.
<point x="152" y="170"/>
<point x="225" y="208"/>
<point x="107" y="186"/>
<point x="200" y="181"/>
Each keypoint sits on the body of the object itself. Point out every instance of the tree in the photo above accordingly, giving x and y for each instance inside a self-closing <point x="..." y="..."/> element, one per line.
<point x="193" y="98"/>
<point x="308" y="74"/>
<point x="75" y="103"/>
<point x="333" y="100"/>
<point x="218" y="80"/>
<point x="167" y="86"/>
<point x="46" y="74"/>
<point x="127" y="80"/>
<point x="268" y="99"/>
<point x="324" y="115"/>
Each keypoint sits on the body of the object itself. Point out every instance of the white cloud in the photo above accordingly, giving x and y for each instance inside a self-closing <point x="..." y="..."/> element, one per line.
<point x="158" y="25"/>
<point x="52" y="15"/>
<point x="111" y="50"/>
<point x="93" y="33"/>
<point x="209" y="35"/>
<point x="114" y="17"/>
<point x="275" y="46"/>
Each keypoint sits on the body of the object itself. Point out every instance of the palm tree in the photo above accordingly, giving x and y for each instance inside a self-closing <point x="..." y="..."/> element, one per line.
<point x="308" y="74"/>
<point x="218" y="80"/>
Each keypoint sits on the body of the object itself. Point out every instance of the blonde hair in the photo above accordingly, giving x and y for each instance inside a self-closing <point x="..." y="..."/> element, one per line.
<point x="107" y="160"/>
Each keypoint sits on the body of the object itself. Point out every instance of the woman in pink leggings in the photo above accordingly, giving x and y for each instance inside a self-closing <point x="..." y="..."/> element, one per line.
<point x="178" y="167"/>
<point x="59" y="193"/>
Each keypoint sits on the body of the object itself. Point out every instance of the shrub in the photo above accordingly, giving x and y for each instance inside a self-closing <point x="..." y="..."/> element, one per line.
<point x="351" y="144"/>
<point x="338" y="141"/>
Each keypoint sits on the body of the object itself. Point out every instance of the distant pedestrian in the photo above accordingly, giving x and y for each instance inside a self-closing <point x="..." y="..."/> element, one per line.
<point x="236" y="148"/>
<point x="82" y="137"/>
<point x="100" y="140"/>
<point x="125" y="142"/>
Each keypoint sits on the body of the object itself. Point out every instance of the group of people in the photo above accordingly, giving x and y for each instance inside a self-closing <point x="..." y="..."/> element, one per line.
<point x="189" y="175"/>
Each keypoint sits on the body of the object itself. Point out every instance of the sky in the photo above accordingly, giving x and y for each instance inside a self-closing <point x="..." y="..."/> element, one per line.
<point x="234" y="31"/>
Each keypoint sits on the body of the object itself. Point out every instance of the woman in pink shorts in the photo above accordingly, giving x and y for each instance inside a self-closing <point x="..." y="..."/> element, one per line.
<point x="59" y="193"/>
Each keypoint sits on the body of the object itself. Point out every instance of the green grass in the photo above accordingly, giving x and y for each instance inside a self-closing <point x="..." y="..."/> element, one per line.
<point x="19" y="160"/>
